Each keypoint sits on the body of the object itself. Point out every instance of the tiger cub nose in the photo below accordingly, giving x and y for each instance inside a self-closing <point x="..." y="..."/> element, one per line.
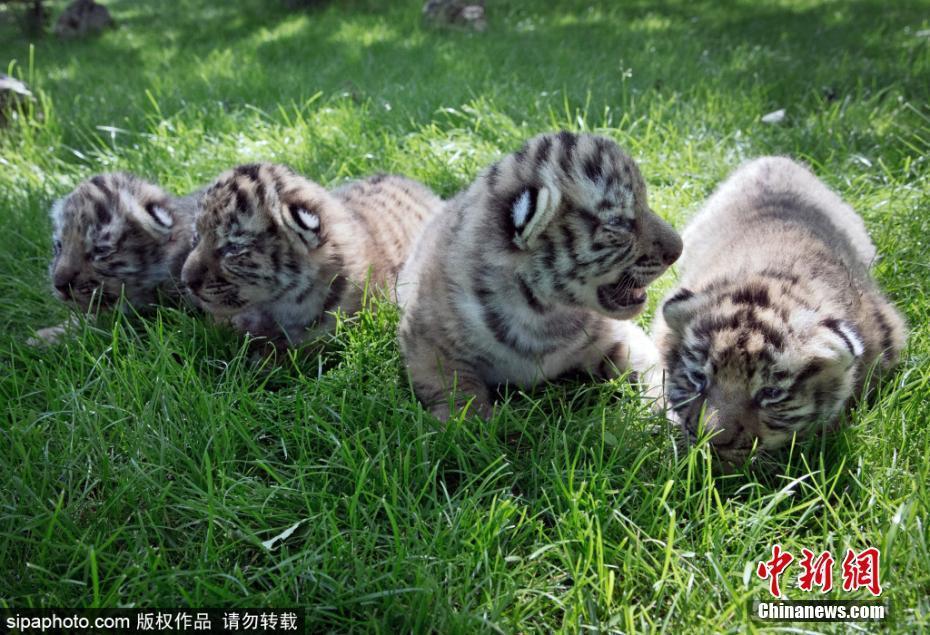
<point x="63" y="280"/>
<point x="192" y="277"/>
<point x="671" y="250"/>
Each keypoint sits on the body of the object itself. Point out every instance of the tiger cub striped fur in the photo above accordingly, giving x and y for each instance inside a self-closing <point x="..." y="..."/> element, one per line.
<point x="114" y="235"/>
<point x="278" y="252"/>
<point x="530" y="272"/>
<point x="776" y="321"/>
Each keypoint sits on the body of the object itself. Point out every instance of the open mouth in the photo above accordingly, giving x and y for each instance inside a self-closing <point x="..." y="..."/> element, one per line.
<point x="220" y="305"/>
<point x="88" y="296"/>
<point x="622" y="294"/>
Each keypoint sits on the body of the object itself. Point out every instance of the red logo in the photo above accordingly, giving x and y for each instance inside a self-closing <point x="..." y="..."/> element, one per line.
<point x="773" y="568"/>
<point x="862" y="571"/>
<point x="859" y="570"/>
<point x="817" y="571"/>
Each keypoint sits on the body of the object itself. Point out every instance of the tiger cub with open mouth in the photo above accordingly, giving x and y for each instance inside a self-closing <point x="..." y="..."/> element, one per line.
<point x="776" y="321"/>
<point x="531" y="272"/>
<point x="276" y="253"/>
<point x="116" y="235"/>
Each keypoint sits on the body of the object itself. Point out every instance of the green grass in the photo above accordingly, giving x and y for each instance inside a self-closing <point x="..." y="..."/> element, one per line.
<point x="146" y="460"/>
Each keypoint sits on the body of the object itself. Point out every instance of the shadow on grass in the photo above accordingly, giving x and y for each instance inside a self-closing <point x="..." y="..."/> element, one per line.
<point x="263" y="54"/>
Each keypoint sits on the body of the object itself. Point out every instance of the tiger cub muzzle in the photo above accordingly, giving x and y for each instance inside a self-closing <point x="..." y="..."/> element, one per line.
<point x="661" y="246"/>
<point x="225" y="280"/>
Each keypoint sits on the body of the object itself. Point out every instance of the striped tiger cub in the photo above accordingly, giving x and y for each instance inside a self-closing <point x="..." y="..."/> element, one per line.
<point x="532" y="272"/>
<point x="276" y="252"/>
<point x="776" y="321"/>
<point x="117" y="235"/>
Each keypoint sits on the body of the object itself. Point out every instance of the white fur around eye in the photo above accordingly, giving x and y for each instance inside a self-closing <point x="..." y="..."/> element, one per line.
<point x="310" y="220"/>
<point x="521" y="209"/>
<point x="162" y="215"/>
<point x="626" y="200"/>
<point x="58" y="210"/>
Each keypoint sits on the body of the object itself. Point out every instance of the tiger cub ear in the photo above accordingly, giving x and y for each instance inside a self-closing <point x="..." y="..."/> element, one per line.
<point x="157" y="218"/>
<point x="838" y="340"/>
<point x="680" y="308"/>
<point x="304" y="221"/>
<point x="531" y="210"/>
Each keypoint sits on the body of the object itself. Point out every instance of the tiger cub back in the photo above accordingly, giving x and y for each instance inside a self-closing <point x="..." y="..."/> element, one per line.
<point x="276" y="252"/>
<point x="776" y="321"/>
<point x="389" y="212"/>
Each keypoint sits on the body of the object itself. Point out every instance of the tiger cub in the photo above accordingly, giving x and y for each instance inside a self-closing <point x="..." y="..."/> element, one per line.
<point x="278" y="252"/>
<point x="776" y="320"/>
<point x="117" y="235"/>
<point x="529" y="273"/>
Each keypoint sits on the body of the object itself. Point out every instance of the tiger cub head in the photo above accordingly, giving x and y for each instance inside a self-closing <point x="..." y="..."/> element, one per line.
<point x="577" y="223"/>
<point x="754" y="366"/>
<point x="116" y="234"/>
<point x="263" y="235"/>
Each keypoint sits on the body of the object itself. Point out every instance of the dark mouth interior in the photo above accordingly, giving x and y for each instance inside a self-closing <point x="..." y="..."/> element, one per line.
<point x="89" y="293"/>
<point x="622" y="294"/>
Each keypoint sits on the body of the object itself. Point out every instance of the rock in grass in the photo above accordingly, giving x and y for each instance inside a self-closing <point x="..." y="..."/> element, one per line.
<point x="468" y="14"/>
<point x="11" y="91"/>
<point x="82" y="18"/>
<point x="776" y="116"/>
